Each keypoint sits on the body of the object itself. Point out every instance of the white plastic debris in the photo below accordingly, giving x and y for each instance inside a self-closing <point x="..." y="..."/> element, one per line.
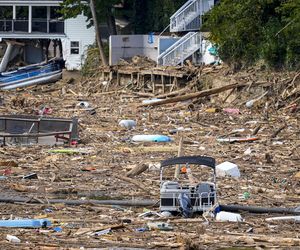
<point x="166" y="214"/>
<point x="284" y="218"/>
<point x="83" y="105"/>
<point x="250" y="103"/>
<point x="154" y="166"/>
<point x="128" y="124"/>
<point x="248" y="151"/>
<point x="13" y="239"/>
<point x="227" y="216"/>
<point x="227" y="169"/>
<point x="150" y="101"/>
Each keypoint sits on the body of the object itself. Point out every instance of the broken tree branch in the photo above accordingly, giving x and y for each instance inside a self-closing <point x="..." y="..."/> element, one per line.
<point x="202" y="93"/>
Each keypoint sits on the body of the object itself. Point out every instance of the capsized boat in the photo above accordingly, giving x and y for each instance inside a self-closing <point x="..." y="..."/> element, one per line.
<point x="32" y="75"/>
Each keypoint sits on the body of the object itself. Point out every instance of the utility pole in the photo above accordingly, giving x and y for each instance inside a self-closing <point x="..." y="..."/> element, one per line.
<point x="98" y="36"/>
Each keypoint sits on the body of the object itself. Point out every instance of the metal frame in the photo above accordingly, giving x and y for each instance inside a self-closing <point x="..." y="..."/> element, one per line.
<point x="170" y="190"/>
<point x="68" y="135"/>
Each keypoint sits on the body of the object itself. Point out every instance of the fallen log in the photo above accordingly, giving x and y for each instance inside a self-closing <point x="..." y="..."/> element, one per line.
<point x="134" y="203"/>
<point x="132" y="181"/>
<point x="261" y="210"/>
<point x="202" y="93"/>
<point x="137" y="170"/>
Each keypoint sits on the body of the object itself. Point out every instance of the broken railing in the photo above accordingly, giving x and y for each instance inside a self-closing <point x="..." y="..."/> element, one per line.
<point x="21" y="129"/>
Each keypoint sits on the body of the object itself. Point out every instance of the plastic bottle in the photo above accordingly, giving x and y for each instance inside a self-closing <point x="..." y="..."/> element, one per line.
<point x="151" y="138"/>
<point x="13" y="239"/>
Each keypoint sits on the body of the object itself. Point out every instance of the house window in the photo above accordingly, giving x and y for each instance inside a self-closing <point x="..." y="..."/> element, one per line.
<point x="74" y="48"/>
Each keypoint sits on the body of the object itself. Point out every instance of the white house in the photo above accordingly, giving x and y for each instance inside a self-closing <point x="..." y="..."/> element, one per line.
<point x="25" y="23"/>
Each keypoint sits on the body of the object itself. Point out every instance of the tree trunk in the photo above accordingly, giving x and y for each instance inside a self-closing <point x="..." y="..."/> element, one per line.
<point x="111" y="23"/>
<point x="98" y="36"/>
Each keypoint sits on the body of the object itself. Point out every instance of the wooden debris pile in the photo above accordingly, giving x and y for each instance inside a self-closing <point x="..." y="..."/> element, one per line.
<point x="107" y="165"/>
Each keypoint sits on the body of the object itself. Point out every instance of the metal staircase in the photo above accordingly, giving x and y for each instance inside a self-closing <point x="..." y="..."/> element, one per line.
<point x="181" y="50"/>
<point x="187" y="18"/>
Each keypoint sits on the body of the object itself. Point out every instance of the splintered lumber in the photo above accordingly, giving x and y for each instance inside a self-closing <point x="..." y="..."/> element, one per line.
<point x="132" y="181"/>
<point x="278" y="131"/>
<point x="137" y="203"/>
<point x="137" y="170"/>
<point x="180" y="152"/>
<point x="203" y="93"/>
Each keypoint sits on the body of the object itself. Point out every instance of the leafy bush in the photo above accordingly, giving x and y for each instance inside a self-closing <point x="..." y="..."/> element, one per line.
<point x="247" y="31"/>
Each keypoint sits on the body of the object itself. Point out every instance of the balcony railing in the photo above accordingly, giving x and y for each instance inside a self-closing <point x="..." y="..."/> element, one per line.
<point x="38" y="26"/>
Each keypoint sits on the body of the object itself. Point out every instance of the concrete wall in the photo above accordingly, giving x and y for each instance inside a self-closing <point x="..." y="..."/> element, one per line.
<point x="127" y="46"/>
<point x="76" y="30"/>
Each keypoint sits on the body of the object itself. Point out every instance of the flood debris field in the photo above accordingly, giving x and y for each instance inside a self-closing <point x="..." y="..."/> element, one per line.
<point x="97" y="168"/>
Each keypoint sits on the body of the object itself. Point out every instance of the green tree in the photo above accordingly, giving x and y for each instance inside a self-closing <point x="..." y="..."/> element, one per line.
<point x="153" y="15"/>
<point x="104" y="11"/>
<point x="246" y="31"/>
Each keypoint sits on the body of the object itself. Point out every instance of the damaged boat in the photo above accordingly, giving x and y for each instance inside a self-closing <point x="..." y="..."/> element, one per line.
<point x="32" y="75"/>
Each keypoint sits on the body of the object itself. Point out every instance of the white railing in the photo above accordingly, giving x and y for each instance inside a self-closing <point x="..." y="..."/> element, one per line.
<point x="185" y="15"/>
<point x="181" y="50"/>
<point x="188" y="17"/>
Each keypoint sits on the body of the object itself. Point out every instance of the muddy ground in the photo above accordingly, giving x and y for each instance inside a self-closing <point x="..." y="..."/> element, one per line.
<point x="268" y="167"/>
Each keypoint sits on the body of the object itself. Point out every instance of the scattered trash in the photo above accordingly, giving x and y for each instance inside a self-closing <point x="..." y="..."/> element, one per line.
<point x="227" y="169"/>
<point x="237" y="139"/>
<point x="278" y="143"/>
<point x="83" y="105"/>
<point x="57" y="229"/>
<point x="245" y="196"/>
<point x="92" y="112"/>
<point x="44" y="111"/>
<point x="128" y="124"/>
<point x="102" y="232"/>
<point x="141" y="229"/>
<point x="284" y="218"/>
<point x="231" y="111"/>
<point x="248" y="151"/>
<point x="126" y="221"/>
<point x="26" y="223"/>
<point x="180" y="129"/>
<point x="70" y="151"/>
<point x="149" y="213"/>
<point x="166" y="214"/>
<point x="159" y="226"/>
<point x="151" y="138"/>
<point x="13" y="239"/>
<point x="154" y="166"/>
<point x="7" y="172"/>
<point x="151" y="101"/>
<point x="88" y="169"/>
<point x="249" y="104"/>
<point x="227" y="216"/>
<point x="212" y="110"/>
<point x="31" y="176"/>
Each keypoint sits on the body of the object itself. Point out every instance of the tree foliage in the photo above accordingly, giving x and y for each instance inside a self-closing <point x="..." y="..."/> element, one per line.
<point x="246" y="31"/>
<point x="152" y="15"/>
<point x="104" y="10"/>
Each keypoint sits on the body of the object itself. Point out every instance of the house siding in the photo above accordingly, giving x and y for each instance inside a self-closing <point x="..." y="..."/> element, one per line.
<point x="76" y="30"/>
